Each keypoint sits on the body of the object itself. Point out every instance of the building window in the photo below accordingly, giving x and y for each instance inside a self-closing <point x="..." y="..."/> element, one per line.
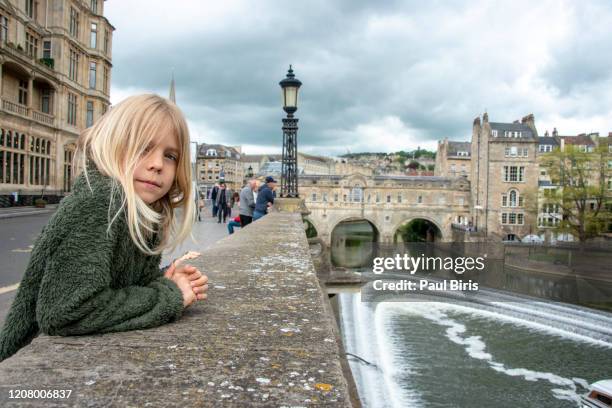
<point x="73" y="68"/>
<point x="513" y="198"/>
<point x="45" y="100"/>
<point x="106" y="41"/>
<point x="514" y="174"/>
<point x="93" y="38"/>
<point x="388" y="198"/>
<point x="23" y="92"/>
<point x="92" y="74"/>
<point x="544" y="148"/>
<point x="68" y="169"/>
<point x="12" y="163"/>
<point x="324" y="197"/>
<point x="40" y="160"/>
<point x="512" y="218"/>
<point x="72" y="109"/>
<point x="74" y="22"/>
<point x="31" y="45"/>
<point x="31" y="7"/>
<point x="313" y="197"/>
<point x="419" y="199"/>
<point x="3" y="28"/>
<point x="494" y="132"/>
<point x="357" y="194"/>
<point x="336" y="197"/>
<point x="399" y="197"/>
<point x="90" y="113"/>
<point x="94" y="6"/>
<point x="105" y="84"/>
<point x="46" y="49"/>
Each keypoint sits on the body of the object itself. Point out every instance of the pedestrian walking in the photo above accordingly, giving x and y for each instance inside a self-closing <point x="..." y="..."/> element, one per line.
<point x="223" y="203"/>
<point x="213" y="197"/>
<point x="95" y="266"/>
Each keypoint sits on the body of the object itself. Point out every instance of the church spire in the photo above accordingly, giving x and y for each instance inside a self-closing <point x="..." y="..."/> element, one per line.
<point x="172" y="96"/>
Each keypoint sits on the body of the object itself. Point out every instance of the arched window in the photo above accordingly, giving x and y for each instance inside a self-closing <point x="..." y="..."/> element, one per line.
<point x="356" y="194"/>
<point x="513" y="201"/>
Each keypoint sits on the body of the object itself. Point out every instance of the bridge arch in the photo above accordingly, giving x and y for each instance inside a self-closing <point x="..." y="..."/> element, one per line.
<point x="376" y="228"/>
<point x="353" y="246"/>
<point x="439" y="231"/>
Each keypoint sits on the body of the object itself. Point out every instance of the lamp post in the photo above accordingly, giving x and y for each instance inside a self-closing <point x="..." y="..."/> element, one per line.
<point x="250" y="172"/>
<point x="289" y="183"/>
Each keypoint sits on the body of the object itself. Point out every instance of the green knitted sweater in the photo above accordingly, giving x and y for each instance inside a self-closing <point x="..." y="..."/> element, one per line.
<point x="79" y="280"/>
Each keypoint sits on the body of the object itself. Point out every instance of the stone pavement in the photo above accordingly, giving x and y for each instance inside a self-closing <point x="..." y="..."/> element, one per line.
<point x="265" y="337"/>
<point x="205" y="233"/>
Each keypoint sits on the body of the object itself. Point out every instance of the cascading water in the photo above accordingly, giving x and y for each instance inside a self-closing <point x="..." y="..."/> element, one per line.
<point x="500" y="350"/>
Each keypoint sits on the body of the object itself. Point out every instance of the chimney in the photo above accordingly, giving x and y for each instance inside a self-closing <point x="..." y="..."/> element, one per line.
<point x="562" y="144"/>
<point x="485" y="117"/>
<point x="546" y="133"/>
<point x="555" y="133"/>
<point x="529" y="121"/>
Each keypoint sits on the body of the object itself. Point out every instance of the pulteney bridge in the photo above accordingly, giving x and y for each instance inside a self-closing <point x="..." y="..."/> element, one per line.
<point x="386" y="203"/>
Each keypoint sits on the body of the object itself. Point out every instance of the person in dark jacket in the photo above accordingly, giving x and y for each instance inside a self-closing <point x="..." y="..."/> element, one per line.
<point x="223" y="201"/>
<point x="265" y="198"/>
<point x="88" y="271"/>
<point x="213" y="197"/>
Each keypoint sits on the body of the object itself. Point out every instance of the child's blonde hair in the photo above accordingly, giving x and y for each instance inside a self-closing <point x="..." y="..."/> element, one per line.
<point x="115" y="144"/>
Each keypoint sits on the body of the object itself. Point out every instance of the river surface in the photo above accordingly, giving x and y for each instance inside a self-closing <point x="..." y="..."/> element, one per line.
<point x="514" y="344"/>
<point x="440" y="354"/>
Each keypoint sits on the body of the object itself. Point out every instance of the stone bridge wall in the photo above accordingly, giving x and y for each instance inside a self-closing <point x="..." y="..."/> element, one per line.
<point x="265" y="336"/>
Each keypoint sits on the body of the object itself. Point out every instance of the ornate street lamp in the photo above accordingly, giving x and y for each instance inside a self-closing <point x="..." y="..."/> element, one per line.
<point x="289" y="183"/>
<point x="250" y="172"/>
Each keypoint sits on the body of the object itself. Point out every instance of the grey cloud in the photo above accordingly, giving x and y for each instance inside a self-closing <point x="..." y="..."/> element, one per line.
<point x="434" y="65"/>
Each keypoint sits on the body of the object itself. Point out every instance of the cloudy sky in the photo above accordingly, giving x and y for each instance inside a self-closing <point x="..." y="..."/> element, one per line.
<point x="377" y="75"/>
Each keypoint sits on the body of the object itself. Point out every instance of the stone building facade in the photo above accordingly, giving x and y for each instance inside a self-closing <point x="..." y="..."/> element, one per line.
<point x="216" y="163"/>
<point x="453" y="159"/>
<point x="55" y="67"/>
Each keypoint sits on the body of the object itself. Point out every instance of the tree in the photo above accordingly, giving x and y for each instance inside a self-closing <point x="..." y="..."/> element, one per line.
<point x="582" y="194"/>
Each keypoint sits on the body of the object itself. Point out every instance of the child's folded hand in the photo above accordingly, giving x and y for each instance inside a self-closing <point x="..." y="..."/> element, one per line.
<point x="197" y="281"/>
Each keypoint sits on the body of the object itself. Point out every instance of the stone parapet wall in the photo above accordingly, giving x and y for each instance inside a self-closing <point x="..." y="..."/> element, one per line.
<point x="264" y="337"/>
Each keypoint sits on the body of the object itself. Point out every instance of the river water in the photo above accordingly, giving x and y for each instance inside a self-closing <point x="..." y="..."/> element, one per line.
<point x="440" y="354"/>
<point x="493" y="349"/>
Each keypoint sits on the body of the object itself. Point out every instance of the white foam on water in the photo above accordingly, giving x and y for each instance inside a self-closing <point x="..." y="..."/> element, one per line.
<point x="476" y="347"/>
<point x="364" y="335"/>
<point x="399" y="395"/>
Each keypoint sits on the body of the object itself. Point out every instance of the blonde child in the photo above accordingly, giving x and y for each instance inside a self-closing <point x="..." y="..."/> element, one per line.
<point x="95" y="266"/>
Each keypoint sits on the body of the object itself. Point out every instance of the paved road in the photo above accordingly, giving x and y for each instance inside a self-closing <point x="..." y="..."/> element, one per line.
<point x="18" y="235"/>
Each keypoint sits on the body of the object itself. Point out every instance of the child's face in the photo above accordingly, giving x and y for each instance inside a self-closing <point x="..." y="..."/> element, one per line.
<point x="157" y="165"/>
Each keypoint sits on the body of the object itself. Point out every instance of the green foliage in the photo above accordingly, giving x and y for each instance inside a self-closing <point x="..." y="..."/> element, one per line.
<point x="582" y="195"/>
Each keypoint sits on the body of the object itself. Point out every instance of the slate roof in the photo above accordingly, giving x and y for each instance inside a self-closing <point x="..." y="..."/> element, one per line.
<point x="454" y="147"/>
<point x="526" y="132"/>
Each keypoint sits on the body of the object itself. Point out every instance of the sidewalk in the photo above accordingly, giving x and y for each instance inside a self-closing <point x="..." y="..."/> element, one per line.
<point x="205" y="232"/>
<point x="11" y="212"/>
